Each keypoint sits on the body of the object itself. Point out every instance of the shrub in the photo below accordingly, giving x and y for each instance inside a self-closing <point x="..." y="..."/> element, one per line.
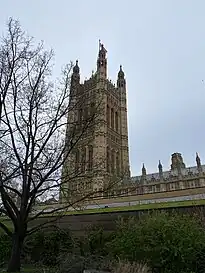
<point x="169" y="243"/>
<point x="95" y="241"/>
<point x="46" y="247"/>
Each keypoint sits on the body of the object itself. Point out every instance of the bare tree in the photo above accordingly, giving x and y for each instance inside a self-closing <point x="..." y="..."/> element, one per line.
<point x="33" y="121"/>
<point x="37" y="138"/>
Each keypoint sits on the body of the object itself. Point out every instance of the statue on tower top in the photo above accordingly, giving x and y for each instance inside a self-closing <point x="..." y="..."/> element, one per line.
<point x="102" y="51"/>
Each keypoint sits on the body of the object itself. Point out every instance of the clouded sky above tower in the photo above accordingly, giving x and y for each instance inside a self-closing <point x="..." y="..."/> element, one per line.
<point x="161" y="46"/>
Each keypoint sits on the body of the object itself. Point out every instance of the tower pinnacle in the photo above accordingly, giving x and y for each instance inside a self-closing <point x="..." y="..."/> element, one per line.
<point x="75" y="78"/>
<point x="198" y="162"/>
<point x="76" y="68"/>
<point x="160" y="167"/>
<point x="121" y="78"/>
<point x="102" y="61"/>
<point x="121" y="74"/>
<point x="144" y="172"/>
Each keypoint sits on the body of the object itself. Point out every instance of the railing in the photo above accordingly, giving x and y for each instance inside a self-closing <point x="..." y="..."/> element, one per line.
<point x="134" y="203"/>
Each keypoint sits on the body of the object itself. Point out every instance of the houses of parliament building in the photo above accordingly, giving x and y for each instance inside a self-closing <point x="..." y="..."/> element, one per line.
<point x="102" y="152"/>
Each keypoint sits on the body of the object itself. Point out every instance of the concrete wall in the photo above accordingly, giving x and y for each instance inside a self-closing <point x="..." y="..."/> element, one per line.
<point x="78" y="224"/>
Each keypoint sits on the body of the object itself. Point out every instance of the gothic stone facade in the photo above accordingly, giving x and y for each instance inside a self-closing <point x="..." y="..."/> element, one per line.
<point x="178" y="181"/>
<point x="102" y="151"/>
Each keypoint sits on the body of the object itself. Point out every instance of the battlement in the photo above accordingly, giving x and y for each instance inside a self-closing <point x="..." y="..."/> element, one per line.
<point x="110" y="85"/>
<point x="190" y="172"/>
<point x="91" y="80"/>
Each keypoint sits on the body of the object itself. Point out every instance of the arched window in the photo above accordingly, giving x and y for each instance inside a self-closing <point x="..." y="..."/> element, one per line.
<point x="108" y="159"/>
<point x="108" y="116"/>
<point x="90" y="158"/>
<point x="112" y="118"/>
<point x="116" y="121"/>
<point x="77" y="157"/>
<point x="83" y="159"/>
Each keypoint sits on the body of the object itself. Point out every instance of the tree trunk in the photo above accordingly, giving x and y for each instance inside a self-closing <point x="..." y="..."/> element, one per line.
<point x="15" y="258"/>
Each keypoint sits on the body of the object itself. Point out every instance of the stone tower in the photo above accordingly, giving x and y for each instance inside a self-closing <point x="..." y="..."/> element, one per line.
<point x="103" y="151"/>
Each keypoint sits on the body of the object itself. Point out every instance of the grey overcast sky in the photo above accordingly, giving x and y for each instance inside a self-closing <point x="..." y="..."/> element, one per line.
<point x="161" y="45"/>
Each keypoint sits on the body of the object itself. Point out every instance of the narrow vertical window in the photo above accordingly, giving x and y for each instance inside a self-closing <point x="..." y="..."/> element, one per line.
<point x="168" y="187"/>
<point x="77" y="157"/>
<point x="117" y="163"/>
<point x="112" y="118"/>
<point x="80" y="115"/>
<point x="113" y="161"/>
<point x="92" y="109"/>
<point x="116" y="121"/>
<point x="83" y="158"/>
<point x="90" y="158"/>
<point x="86" y="113"/>
<point x="108" y="159"/>
<point x="158" y="187"/>
<point x="108" y="116"/>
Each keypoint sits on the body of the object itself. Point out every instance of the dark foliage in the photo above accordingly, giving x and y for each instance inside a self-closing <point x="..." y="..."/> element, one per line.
<point x="95" y="241"/>
<point x="5" y="248"/>
<point x="46" y="247"/>
<point x="168" y="243"/>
